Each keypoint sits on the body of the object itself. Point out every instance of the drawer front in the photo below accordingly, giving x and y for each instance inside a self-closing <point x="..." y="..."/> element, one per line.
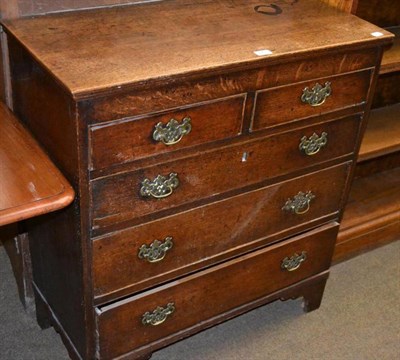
<point x="124" y="104"/>
<point x="124" y="326"/>
<point x="118" y="198"/>
<point x="132" y="139"/>
<point x="284" y="104"/>
<point x="146" y="255"/>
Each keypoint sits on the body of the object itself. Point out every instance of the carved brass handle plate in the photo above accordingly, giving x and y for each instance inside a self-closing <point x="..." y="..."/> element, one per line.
<point x="156" y="251"/>
<point x="300" y="203"/>
<point x="312" y="145"/>
<point x="160" y="187"/>
<point x="173" y="132"/>
<point x="317" y="95"/>
<point x="158" y="316"/>
<point x="294" y="262"/>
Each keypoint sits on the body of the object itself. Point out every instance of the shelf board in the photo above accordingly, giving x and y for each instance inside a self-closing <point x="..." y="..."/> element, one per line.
<point x="382" y="135"/>
<point x="372" y="214"/>
<point x="391" y="58"/>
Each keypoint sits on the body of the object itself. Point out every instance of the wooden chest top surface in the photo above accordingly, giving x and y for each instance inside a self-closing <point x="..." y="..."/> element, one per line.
<point x="98" y="50"/>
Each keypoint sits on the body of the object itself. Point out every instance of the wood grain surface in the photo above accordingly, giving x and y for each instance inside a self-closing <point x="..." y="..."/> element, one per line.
<point x="372" y="215"/>
<point x="117" y="198"/>
<point x="391" y="57"/>
<point x="279" y="105"/>
<point x="381" y="12"/>
<point x="139" y="43"/>
<point x="30" y="184"/>
<point x="169" y="95"/>
<point x="387" y="92"/>
<point x="213" y="292"/>
<point x="382" y="135"/>
<point x="110" y="67"/>
<point x="117" y="142"/>
<point x="344" y="5"/>
<point x="213" y="232"/>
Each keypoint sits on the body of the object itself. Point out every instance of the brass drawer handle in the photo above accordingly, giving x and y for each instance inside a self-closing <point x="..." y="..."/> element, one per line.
<point x="317" y="95"/>
<point x="160" y="187"/>
<point x="294" y="262"/>
<point x="156" y="251"/>
<point x="173" y="132"/>
<point x="158" y="316"/>
<point x="312" y="145"/>
<point x="300" y="203"/>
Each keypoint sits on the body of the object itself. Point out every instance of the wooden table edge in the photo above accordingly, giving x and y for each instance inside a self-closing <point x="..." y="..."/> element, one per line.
<point x="36" y="208"/>
<point x="39" y="206"/>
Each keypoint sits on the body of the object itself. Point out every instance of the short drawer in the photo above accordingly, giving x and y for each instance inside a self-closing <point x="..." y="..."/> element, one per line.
<point x="122" y="104"/>
<point x="208" y="295"/>
<point x="132" y="139"/>
<point x="148" y="254"/>
<point x="284" y="104"/>
<point x="127" y="196"/>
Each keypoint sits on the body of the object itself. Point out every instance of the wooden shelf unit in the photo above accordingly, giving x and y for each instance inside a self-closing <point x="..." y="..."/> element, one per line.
<point x="391" y="58"/>
<point x="382" y="136"/>
<point x="372" y="215"/>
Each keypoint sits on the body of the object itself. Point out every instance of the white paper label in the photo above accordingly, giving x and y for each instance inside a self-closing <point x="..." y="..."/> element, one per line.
<point x="263" y="52"/>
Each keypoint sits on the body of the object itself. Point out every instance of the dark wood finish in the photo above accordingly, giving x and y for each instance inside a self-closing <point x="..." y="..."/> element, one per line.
<point x="6" y="76"/>
<point x="43" y="312"/>
<point x="30" y="184"/>
<point x="57" y="254"/>
<point x="124" y="104"/>
<point x="381" y="233"/>
<point x="372" y="219"/>
<point x="372" y="215"/>
<point x="383" y="133"/>
<point x="230" y="25"/>
<point x="10" y="9"/>
<point x="208" y="294"/>
<point x="283" y="104"/>
<point x="376" y="165"/>
<point x="386" y="90"/>
<point x="74" y="74"/>
<point x="57" y="242"/>
<point x="381" y="12"/>
<point x="391" y="58"/>
<point x="46" y="318"/>
<point x="117" y="142"/>
<point x="54" y="125"/>
<point x="307" y="289"/>
<point x="383" y="190"/>
<point x="311" y="292"/>
<point x="216" y="232"/>
<point x="117" y="198"/>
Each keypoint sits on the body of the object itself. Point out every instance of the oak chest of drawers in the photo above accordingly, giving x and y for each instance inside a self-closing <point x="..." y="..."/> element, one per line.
<point x="211" y="145"/>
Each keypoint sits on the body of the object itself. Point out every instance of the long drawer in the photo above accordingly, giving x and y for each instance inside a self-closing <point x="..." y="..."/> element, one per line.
<point x="160" y="313"/>
<point x="148" y="254"/>
<point x="149" y="190"/>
